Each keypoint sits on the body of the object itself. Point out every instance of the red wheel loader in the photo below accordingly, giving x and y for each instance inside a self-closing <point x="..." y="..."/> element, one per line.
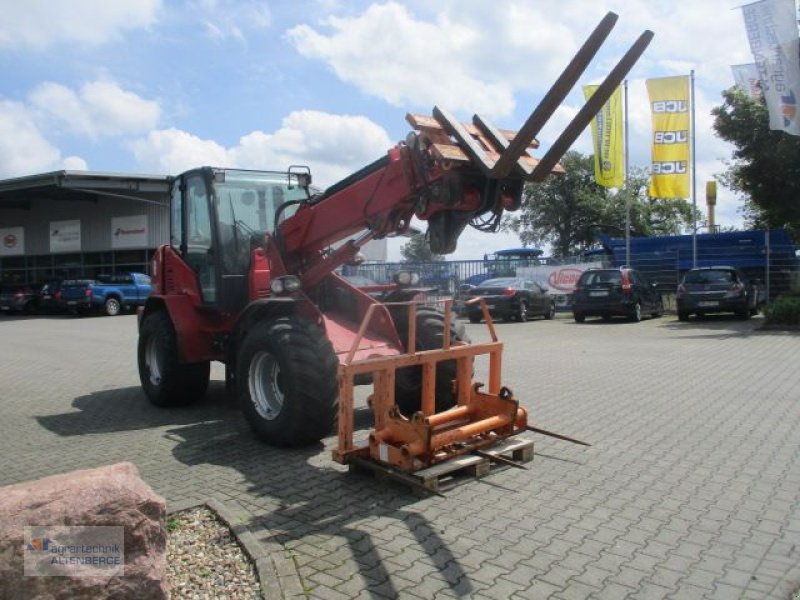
<point x="249" y="279"/>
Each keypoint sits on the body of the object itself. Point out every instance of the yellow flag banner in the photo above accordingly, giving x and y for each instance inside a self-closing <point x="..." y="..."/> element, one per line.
<point x="669" y="105"/>
<point x="607" y="139"/>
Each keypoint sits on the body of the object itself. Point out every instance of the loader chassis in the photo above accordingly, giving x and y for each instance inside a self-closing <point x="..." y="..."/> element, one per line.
<point x="249" y="279"/>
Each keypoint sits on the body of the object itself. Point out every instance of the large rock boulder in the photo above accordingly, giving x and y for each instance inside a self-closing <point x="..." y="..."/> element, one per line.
<point x="111" y="496"/>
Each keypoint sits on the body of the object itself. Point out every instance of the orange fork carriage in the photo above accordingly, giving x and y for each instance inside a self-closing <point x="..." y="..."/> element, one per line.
<point x="410" y="444"/>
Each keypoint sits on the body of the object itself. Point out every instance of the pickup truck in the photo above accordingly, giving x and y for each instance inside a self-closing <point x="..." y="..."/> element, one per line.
<point x="111" y="294"/>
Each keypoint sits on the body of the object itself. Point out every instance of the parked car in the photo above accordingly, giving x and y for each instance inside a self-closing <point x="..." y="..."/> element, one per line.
<point x="49" y="296"/>
<point x="17" y="298"/>
<point x="718" y="289"/>
<point x="111" y="294"/>
<point x="609" y="292"/>
<point x="511" y="298"/>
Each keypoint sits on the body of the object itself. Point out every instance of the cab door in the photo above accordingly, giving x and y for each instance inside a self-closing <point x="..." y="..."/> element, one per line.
<point x="193" y="232"/>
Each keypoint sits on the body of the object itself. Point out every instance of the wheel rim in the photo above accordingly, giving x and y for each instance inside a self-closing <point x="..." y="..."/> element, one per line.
<point x="152" y="361"/>
<point x="112" y="307"/>
<point x="523" y="312"/>
<point x="264" y="381"/>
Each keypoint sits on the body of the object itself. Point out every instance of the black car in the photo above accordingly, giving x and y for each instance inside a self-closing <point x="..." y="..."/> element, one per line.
<point x="609" y="292"/>
<point x="511" y="298"/>
<point x="717" y="289"/>
<point x="49" y="297"/>
<point x="17" y="297"/>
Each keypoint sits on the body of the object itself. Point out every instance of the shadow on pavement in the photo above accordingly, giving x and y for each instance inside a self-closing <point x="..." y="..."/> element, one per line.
<point x="721" y="327"/>
<point x="312" y="495"/>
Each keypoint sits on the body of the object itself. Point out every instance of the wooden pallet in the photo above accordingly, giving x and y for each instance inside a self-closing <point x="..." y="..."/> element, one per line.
<point x="430" y="480"/>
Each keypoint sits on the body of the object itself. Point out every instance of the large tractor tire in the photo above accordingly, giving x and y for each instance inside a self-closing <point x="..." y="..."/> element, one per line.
<point x="165" y="381"/>
<point x="430" y="336"/>
<point x="286" y="375"/>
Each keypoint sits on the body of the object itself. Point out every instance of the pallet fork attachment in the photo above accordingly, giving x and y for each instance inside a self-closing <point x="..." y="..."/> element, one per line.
<point x="499" y="154"/>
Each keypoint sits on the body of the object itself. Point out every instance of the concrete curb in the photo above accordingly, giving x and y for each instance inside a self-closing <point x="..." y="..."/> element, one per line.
<point x="277" y="573"/>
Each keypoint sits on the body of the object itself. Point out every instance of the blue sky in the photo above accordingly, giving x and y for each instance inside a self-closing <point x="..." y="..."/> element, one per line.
<point x="159" y="86"/>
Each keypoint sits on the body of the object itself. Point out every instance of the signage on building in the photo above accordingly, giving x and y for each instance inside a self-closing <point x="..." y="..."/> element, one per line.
<point x="559" y="279"/>
<point x="65" y="236"/>
<point x="12" y="241"/>
<point x="129" y="232"/>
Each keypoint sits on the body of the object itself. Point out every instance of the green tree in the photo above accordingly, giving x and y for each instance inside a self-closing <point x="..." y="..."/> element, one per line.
<point x="417" y="249"/>
<point x="569" y="211"/>
<point x="765" y="167"/>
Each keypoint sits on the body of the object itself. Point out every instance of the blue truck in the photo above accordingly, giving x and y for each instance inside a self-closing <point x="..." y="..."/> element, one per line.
<point x="111" y="294"/>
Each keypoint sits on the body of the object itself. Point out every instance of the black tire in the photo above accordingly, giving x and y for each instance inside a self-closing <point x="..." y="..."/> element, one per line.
<point x="113" y="306"/>
<point x="522" y="311"/>
<point x="606" y="318"/>
<point x="475" y="318"/>
<point x="165" y="381"/>
<point x="744" y="315"/>
<point x="551" y="311"/>
<point x="579" y="317"/>
<point x="286" y="377"/>
<point x="430" y="336"/>
<point x="636" y="312"/>
<point x="683" y="315"/>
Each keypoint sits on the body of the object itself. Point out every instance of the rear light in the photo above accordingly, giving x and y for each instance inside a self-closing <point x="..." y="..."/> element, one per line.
<point x="736" y="289"/>
<point x="509" y="292"/>
<point x="626" y="283"/>
<point x="87" y="292"/>
<point x="57" y="295"/>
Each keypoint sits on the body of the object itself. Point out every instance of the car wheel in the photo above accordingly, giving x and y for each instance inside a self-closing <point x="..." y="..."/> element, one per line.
<point x="579" y="317"/>
<point x="551" y="311"/>
<point x="522" y="311"/>
<point x="286" y="381"/>
<point x="683" y="315"/>
<point x="606" y="317"/>
<point x="744" y="314"/>
<point x="636" y="312"/>
<point x="475" y="318"/>
<point x="113" y="307"/>
<point x="165" y="381"/>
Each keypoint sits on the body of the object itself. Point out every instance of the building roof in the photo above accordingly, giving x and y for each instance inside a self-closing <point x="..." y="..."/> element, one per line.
<point x="82" y="185"/>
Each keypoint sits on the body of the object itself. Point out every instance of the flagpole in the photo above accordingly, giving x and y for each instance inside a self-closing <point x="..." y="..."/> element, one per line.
<point x="694" y="175"/>
<point x="627" y="178"/>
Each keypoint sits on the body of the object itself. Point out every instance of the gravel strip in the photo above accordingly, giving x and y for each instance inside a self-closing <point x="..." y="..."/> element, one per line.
<point x="205" y="561"/>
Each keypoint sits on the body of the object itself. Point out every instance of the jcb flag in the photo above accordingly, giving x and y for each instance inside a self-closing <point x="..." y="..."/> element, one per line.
<point x="607" y="139"/>
<point x="669" y="104"/>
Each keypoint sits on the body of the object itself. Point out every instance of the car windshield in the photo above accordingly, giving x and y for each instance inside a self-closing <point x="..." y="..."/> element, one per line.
<point x="709" y="276"/>
<point x="502" y="282"/>
<point x="601" y="277"/>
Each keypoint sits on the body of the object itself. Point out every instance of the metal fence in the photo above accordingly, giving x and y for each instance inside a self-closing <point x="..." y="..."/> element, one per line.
<point x="775" y="267"/>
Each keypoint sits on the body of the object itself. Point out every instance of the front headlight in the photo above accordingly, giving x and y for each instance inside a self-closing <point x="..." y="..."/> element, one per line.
<point x="285" y="285"/>
<point x="406" y="278"/>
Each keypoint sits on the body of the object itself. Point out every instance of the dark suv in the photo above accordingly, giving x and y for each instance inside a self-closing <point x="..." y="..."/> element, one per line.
<point x="608" y="292"/>
<point x="717" y="289"/>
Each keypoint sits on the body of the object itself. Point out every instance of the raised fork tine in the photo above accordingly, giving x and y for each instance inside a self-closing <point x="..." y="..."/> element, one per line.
<point x="499" y="140"/>
<point x="467" y="143"/>
<point x="554" y="97"/>
<point x="591" y="108"/>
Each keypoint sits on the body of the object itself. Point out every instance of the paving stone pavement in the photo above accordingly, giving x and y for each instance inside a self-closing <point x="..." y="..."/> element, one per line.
<point x="691" y="489"/>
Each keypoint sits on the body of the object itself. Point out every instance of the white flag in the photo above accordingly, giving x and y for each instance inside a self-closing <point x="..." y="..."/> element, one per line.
<point x="772" y="32"/>
<point x="746" y="79"/>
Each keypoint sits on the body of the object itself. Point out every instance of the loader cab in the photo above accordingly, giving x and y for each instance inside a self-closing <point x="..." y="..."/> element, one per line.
<point x="217" y="216"/>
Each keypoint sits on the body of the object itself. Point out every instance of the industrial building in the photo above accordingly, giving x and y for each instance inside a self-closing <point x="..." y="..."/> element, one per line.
<point x="72" y="224"/>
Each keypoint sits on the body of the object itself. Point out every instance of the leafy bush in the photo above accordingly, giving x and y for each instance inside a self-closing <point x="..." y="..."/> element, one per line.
<point x="784" y="311"/>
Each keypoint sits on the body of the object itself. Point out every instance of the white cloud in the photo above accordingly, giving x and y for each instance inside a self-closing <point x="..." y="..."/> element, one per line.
<point x="225" y="19"/>
<point x="23" y="148"/>
<point x="97" y="109"/>
<point x="332" y="145"/>
<point x="386" y="52"/>
<point x="39" y="24"/>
